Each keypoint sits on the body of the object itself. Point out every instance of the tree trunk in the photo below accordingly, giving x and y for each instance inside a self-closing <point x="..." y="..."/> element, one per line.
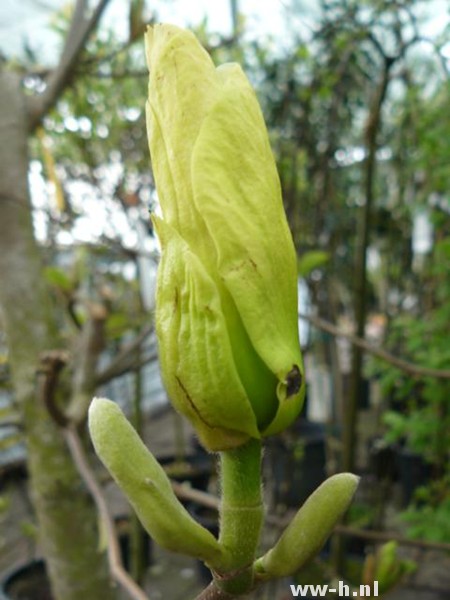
<point x="66" y="515"/>
<point x="360" y="274"/>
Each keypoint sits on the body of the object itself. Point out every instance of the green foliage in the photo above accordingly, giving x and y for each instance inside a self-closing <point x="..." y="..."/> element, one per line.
<point x="421" y="419"/>
<point x="58" y="278"/>
<point x="424" y="421"/>
<point x="5" y="503"/>
<point x="361" y="515"/>
<point x="90" y="122"/>
<point x="429" y="521"/>
<point x="314" y="259"/>
<point x="30" y="530"/>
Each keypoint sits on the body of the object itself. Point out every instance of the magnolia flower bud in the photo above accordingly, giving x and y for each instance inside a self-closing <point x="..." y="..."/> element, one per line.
<point x="389" y="567"/>
<point x="146" y="485"/>
<point x="226" y="307"/>
<point x="309" y="529"/>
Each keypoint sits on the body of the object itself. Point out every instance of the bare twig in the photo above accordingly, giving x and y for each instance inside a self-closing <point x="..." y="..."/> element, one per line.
<point x="51" y="365"/>
<point x="208" y="500"/>
<point x="386" y="536"/>
<point x="187" y="493"/>
<point x="130" y="253"/>
<point x="80" y="29"/>
<point x="99" y="59"/>
<point x="360" y="287"/>
<point x="115" y="562"/>
<point x="114" y="74"/>
<point x="90" y="345"/>
<point x="130" y="366"/>
<point x="224" y="42"/>
<point x="408" y="367"/>
<point x="126" y="358"/>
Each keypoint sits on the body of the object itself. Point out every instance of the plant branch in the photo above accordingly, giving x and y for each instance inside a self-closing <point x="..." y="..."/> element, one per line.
<point x="113" y="74"/>
<point x="208" y="500"/>
<point x="90" y="345"/>
<point x="408" y="367"/>
<point x="99" y="59"/>
<point x="124" y="360"/>
<point x="364" y="226"/>
<point x="50" y="367"/>
<point x="119" y="248"/>
<point x="225" y="42"/>
<point x="79" y="32"/>
<point x="115" y="562"/>
<point x="386" y="536"/>
<point x="132" y="365"/>
<point x="188" y="493"/>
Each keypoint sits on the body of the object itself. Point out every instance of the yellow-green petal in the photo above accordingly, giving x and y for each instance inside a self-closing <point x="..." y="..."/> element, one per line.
<point x="237" y="190"/>
<point x="182" y="88"/>
<point x="196" y="358"/>
<point x="219" y="189"/>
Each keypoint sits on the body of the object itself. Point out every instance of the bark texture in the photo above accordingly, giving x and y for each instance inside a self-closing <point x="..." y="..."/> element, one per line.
<point x="66" y="516"/>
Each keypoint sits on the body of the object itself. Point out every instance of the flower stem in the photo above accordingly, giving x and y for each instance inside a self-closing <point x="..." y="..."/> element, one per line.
<point x="241" y="515"/>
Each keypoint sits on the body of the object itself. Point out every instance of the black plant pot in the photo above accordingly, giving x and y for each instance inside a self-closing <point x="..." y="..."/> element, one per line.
<point x="356" y="548"/>
<point x="295" y="477"/>
<point x="29" y="582"/>
<point x="413" y="473"/>
<point x="364" y="394"/>
<point x="383" y="460"/>
<point x="363" y="391"/>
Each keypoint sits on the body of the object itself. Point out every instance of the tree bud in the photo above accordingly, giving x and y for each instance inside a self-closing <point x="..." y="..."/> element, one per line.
<point x="309" y="529"/>
<point x="226" y="307"/>
<point x="146" y="484"/>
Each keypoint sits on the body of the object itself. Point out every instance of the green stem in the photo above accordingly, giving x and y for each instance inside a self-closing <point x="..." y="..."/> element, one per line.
<point x="241" y="515"/>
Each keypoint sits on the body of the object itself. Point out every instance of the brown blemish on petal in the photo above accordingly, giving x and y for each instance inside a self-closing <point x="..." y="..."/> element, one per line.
<point x="175" y="300"/>
<point x="225" y="438"/>
<point x="191" y="403"/>
<point x="293" y="381"/>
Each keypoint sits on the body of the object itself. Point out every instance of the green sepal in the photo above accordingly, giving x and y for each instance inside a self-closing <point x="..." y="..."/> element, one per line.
<point x="146" y="485"/>
<point x="309" y="529"/>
